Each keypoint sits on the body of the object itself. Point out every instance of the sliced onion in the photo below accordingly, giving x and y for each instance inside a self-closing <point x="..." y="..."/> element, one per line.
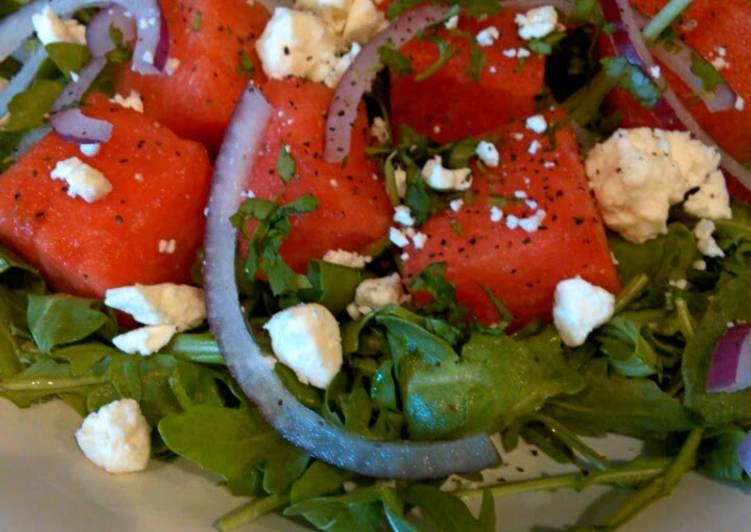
<point x="22" y="79"/>
<point x="16" y="28"/>
<point x="744" y="454"/>
<point x="358" y="78"/>
<point x="98" y="30"/>
<point x="730" y="370"/>
<point x="299" y="425"/>
<point x="75" y="90"/>
<point x="722" y="99"/>
<point x="669" y="111"/>
<point x="74" y="126"/>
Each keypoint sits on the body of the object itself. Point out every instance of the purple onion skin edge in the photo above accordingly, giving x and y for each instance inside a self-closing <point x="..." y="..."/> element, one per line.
<point x="728" y="370"/>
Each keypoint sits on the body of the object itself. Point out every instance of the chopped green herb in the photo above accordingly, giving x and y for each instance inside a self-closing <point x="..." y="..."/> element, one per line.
<point x="68" y="57"/>
<point x="28" y="109"/>
<point x="477" y="59"/>
<point x="245" y="65"/>
<point x="197" y="17"/>
<point x="285" y="165"/>
<point x="445" y="52"/>
<point x="394" y="59"/>
<point x="706" y="72"/>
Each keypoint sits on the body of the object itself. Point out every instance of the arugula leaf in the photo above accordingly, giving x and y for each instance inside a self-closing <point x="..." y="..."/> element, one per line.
<point x="706" y="72"/>
<point x="17" y="273"/>
<point x="392" y="58"/>
<point x="285" y="165"/>
<point x="461" y="152"/>
<point x="627" y="350"/>
<point x="448" y="513"/>
<point x="332" y="285"/>
<point x="27" y="109"/>
<point x="222" y="440"/>
<point x="718" y="456"/>
<point x="319" y="479"/>
<point x="61" y="319"/>
<point x="583" y="10"/>
<point x="68" y="57"/>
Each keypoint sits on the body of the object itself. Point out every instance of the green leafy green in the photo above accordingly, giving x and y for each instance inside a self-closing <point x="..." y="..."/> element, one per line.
<point x="333" y="286"/>
<point x="706" y="72"/>
<point x="445" y="52"/>
<point x="477" y="60"/>
<point x="61" y="319"/>
<point x="285" y="165"/>
<point x="628" y="352"/>
<point x="718" y="456"/>
<point x="392" y="58"/>
<point x="447" y="512"/>
<point x="68" y="57"/>
<point x="27" y="109"/>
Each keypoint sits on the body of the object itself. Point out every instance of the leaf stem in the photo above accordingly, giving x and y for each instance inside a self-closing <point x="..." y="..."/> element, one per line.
<point x="631" y="292"/>
<point x="251" y="510"/>
<point x="660" y="486"/>
<point x="568" y="438"/>
<point x="630" y="474"/>
<point x="685" y="320"/>
<point x="201" y="348"/>
<point x="42" y="384"/>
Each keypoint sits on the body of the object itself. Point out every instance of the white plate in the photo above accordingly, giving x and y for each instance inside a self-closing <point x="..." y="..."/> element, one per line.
<point x="47" y="485"/>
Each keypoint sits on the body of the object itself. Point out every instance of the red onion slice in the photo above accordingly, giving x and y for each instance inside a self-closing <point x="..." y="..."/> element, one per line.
<point x="98" y="31"/>
<point x="730" y="370"/>
<point x="74" y="126"/>
<point x="723" y="98"/>
<point x="628" y="42"/>
<point x="22" y="79"/>
<point x="16" y="28"/>
<point x="76" y="89"/>
<point x="299" y="425"/>
<point x="744" y="454"/>
<point x="359" y="77"/>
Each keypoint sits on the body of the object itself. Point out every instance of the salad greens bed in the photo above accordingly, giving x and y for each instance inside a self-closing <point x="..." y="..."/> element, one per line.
<point x="424" y="373"/>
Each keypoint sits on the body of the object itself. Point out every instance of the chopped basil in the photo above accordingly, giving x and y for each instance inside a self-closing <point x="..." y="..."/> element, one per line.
<point x="68" y="57"/>
<point x="445" y="52"/>
<point x="392" y="58"/>
<point x="477" y="60"/>
<point x="706" y="72"/>
<point x="285" y="165"/>
<point x="197" y="18"/>
<point x="245" y="64"/>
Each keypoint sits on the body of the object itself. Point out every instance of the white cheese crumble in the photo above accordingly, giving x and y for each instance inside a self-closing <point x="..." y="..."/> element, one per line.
<point x="638" y="174"/>
<point x="341" y="66"/>
<point x="167" y="247"/>
<point x="83" y="181"/>
<point x="400" y="181"/>
<point x="380" y="130"/>
<point x="655" y="72"/>
<point x="132" y="101"/>
<point x="452" y="23"/>
<point x="306" y="339"/>
<point x="740" y="103"/>
<point x="116" y="437"/>
<point x="350" y="259"/>
<point x="456" y="205"/>
<point x="488" y="153"/>
<point x="580" y="307"/>
<point x="537" y="23"/>
<point x="372" y="294"/>
<point x="439" y="178"/>
<point x="534" y="147"/>
<point x="161" y="304"/>
<point x="403" y="216"/>
<point x="705" y="241"/>
<point x="496" y="214"/>
<point x="680" y="284"/>
<point x="487" y="36"/>
<point x="50" y="28"/>
<point x="145" y="340"/>
<point x="398" y="238"/>
<point x="90" y="150"/>
<point x="419" y="240"/>
<point x="536" y="123"/>
<point x="700" y="265"/>
<point x="173" y="63"/>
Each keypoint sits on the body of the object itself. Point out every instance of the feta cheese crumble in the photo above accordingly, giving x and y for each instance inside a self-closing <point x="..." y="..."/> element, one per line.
<point x="116" y="437"/>
<point x="173" y="63"/>
<point x="705" y="241"/>
<point x="537" y="23"/>
<point x="487" y="36"/>
<point x="580" y="307"/>
<point x="83" y="181"/>
<point x="496" y="214"/>
<point x="380" y="130"/>
<point x="638" y="174"/>
<point x="456" y="205"/>
<point x="161" y="304"/>
<point x="350" y="259"/>
<point x="398" y="238"/>
<point x="439" y="178"/>
<point x="145" y="340"/>
<point x="50" y="28"/>
<point x="488" y="153"/>
<point x="536" y="123"/>
<point x="372" y="294"/>
<point x="403" y="216"/>
<point x="306" y="339"/>
<point x="90" y="150"/>
<point x="400" y="181"/>
<point x="132" y="101"/>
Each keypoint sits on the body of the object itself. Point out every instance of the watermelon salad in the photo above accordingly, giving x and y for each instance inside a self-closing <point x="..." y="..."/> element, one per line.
<point x="348" y="255"/>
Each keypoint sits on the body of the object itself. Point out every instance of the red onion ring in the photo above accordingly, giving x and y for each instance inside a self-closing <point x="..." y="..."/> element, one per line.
<point x="669" y="111"/>
<point x="299" y="425"/>
<point x="16" y="28"/>
<point x="74" y="126"/>
<point x="723" y="98"/>
<point x="98" y="30"/>
<point x="75" y="90"/>
<point x="22" y="79"/>
<point x="730" y="369"/>
<point x="358" y="78"/>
